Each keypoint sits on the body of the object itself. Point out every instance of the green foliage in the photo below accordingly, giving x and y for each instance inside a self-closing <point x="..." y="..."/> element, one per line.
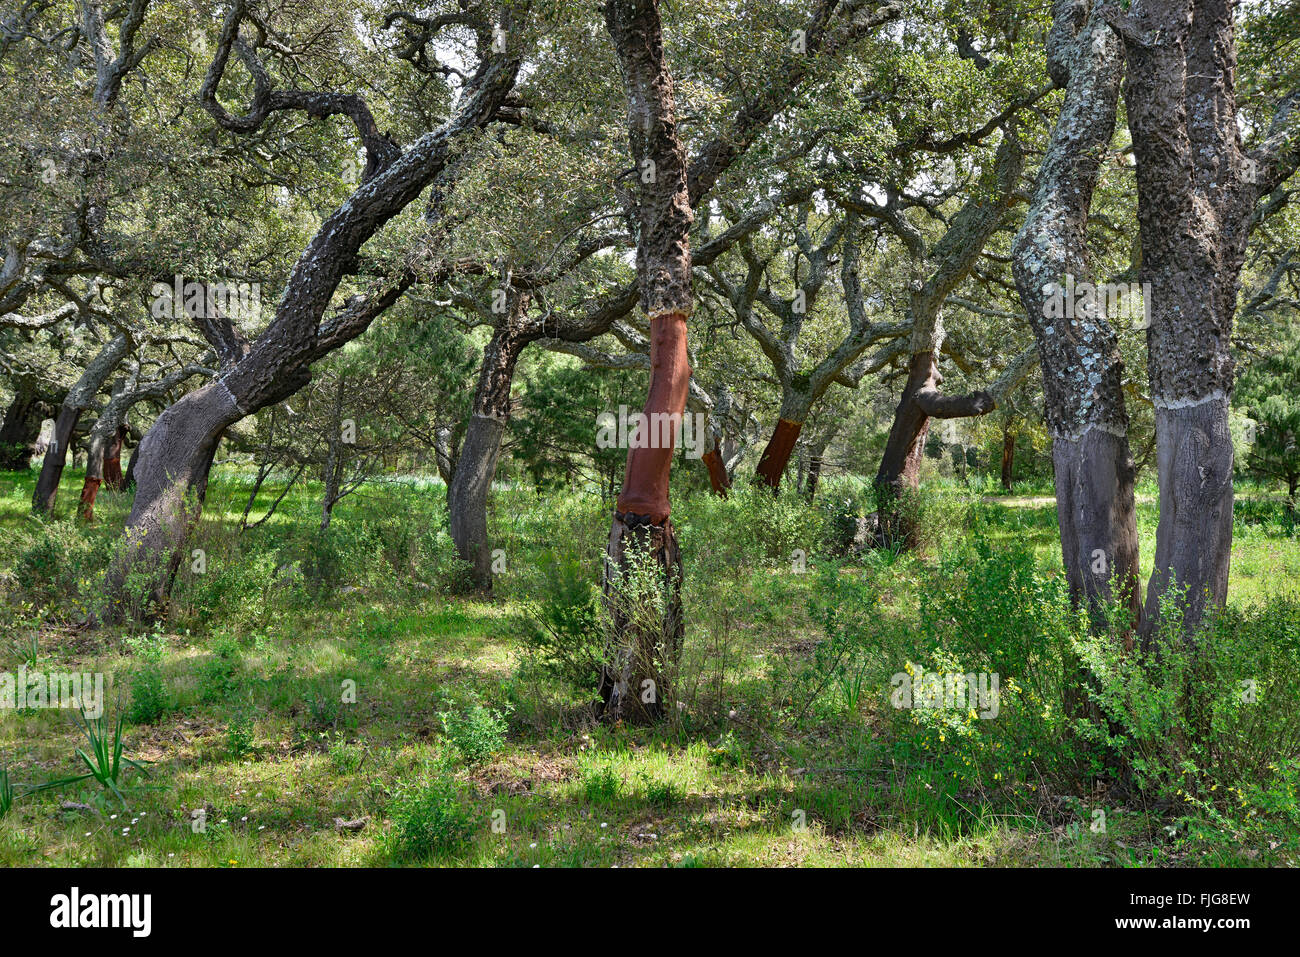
<point x="59" y="564"/>
<point x="752" y="526"/>
<point x="564" y="628"/>
<point x="1208" y="724"/>
<point x="346" y="756"/>
<point x="429" y="819"/>
<point x="664" y="794"/>
<point x="1270" y="393"/>
<point x="218" y="675"/>
<point x="555" y="438"/>
<point x="6" y="792"/>
<point x="150" y="696"/>
<point x="240" y="735"/>
<point x="476" y="732"/>
<point x="106" y="761"/>
<point x="601" y="785"/>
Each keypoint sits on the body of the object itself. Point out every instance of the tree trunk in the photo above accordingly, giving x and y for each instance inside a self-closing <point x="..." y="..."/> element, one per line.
<point x="47" y="482"/>
<point x="796" y="404"/>
<point x="171" y="481"/>
<point x="113" y="460"/>
<point x="467" y="495"/>
<point x="636" y="675"/>
<point x="78" y="399"/>
<point x="21" y="427"/>
<point x="105" y="435"/>
<point x="900" y="466"/>
<point x="642" y="654"/>
<point x="719" y="480"/>
<point x="814" y="474"/>
<point x="128" y="479"/>
<point x="1008" y="455"/>
<point x="1194" y="206"/>
<point x="1079" y="354"/>
<point x="177" y="453"/>
<point x="776" y="454"/>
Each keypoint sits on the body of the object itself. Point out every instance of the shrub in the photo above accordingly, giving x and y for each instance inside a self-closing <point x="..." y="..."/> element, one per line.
<point x="564" y="629"/>
<point x="150" y="696"/>
<point x="218" y="676"/>
<point x="1208" y="723"/>
<point x="476" y="733"/>
<point x="239" y="735"/>
<point x="601" y="785"/>
<point x="429" y="820"/>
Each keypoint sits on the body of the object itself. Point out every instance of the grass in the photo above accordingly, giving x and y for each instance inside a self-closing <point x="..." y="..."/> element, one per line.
<point x="334" y="703"/>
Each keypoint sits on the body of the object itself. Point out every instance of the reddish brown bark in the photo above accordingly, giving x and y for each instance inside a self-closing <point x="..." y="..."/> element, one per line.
<point x="718" y="477"/>
<point x="89" y="489"/>
<point x="113" y="461"/>
<point x="777" y="454"/>
<point x="645" y="489"/>
<point x="900" y="466"/>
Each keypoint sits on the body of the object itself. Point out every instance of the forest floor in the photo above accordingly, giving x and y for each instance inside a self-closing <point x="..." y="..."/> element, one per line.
<point x="465" y="742"/>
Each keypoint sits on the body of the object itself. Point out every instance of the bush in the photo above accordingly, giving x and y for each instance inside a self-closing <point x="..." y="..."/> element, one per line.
<point x="564" y="629"/>
<point x="239" y="735"/>
<point x="1209" y="724"/>
<point x="601" y="785"/>
<point x="60" y="564"/>
<point x="218" y="676"/>
<point x="476" y="733"/>
<point x="752" y="526"/>
<point x="150" y="696"/>
<point x="429" y="820"/>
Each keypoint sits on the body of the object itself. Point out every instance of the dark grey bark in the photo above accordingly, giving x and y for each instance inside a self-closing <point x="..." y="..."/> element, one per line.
<point x="177" y="452"/>
<point x="1082" y="371"/>
<point x="1195" y="205"/>
<point x="21" y="427"/>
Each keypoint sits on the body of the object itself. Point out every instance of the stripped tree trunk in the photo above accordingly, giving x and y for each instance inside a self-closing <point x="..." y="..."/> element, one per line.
<point x="719" y="480"/>
<point x="1079" y="356"/>
<point x="1196" y="195"/>
<point x="79" y="398"/>
<point x="113" y="477"/>
<point x="948" y="264"/>
<point x="642" y="652"/>
<point x="1008" y="454"/>
<point x="795" y="406"/>
<point x="107" y="430"/>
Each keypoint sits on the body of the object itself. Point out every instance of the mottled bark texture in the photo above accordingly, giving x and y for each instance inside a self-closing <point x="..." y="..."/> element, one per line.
<point x="79" y="398"/>
<point x="1082" y="370"/>
<point x="947" y="264"/>
<point x="643" y="649"/>
<point x="1194" y="205"/>
<point x="467" y="494"/>
<point x="176" y="453"/>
